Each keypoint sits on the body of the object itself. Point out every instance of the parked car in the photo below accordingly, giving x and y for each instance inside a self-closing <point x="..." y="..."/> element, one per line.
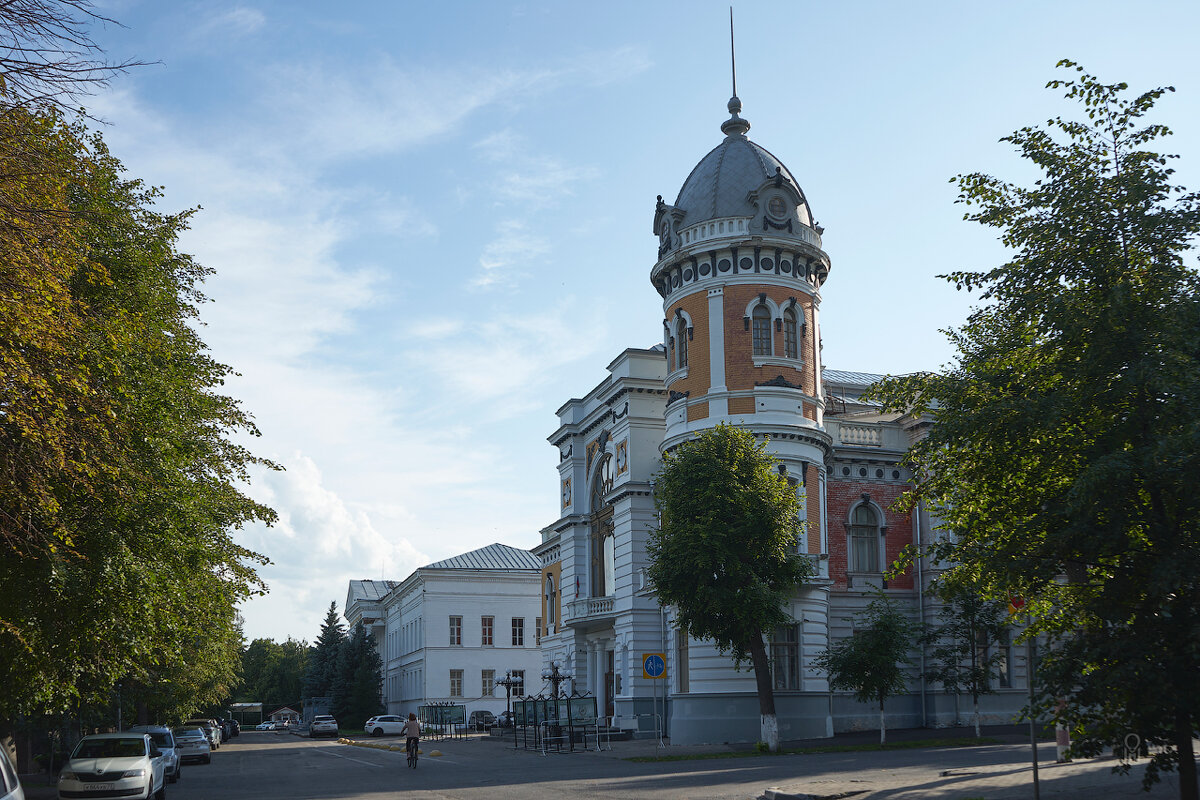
<point x="210" y="730"/>
<point x="322" y="725"/>
<point x="481" y="720"/>
<point x="265" y="726"/>
<point x="10" y="785"/>
<point x="164" y="740"/>
<point x="192" y="744"/>
<point x="386" y="723"/>
<point x="114" y="765"/>
<point x="235" y="727"/>
<point x="505" y="720"/>
<point x="280" y="725"/>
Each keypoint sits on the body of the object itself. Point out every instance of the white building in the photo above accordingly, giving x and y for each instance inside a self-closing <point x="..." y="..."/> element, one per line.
<point x="363" y="603"/>
<point x="454" y="627"/>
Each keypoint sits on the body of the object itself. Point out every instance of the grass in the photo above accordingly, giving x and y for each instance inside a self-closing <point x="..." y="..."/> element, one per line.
<point x="832" y="748"/>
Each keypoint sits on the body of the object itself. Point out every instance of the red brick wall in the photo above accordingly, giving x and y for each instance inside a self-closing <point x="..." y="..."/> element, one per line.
<point x="841" y="495"/>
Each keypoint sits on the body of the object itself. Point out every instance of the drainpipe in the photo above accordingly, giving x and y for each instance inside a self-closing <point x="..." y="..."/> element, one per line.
<point x="921" y="606"/>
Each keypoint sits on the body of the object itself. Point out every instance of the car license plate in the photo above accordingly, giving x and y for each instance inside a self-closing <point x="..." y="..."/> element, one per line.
<point x="101" y="787"/>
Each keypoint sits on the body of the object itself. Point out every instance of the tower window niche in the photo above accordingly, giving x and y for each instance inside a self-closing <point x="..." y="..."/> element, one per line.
<point x="760" y="323"/>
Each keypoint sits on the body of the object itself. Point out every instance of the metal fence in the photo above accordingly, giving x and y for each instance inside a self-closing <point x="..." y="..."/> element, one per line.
<point x="559" y="724"/>
<point x="442" y="721"/>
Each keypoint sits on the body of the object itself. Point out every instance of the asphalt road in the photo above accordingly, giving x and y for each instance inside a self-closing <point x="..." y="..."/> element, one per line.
<point x="281" y="766"/>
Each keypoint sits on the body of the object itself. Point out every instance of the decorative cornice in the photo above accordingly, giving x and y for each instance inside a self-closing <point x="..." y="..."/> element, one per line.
<point x="781" y="382"/>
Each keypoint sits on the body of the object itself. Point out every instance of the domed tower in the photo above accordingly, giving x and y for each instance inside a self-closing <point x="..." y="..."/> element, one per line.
<point x="740" y="267"/>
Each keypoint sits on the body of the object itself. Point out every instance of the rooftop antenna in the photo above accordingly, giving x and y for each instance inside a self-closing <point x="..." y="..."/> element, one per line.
<point x="735" y="125"/>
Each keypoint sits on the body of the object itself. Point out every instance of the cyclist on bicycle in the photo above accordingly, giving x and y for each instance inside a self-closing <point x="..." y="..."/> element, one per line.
<point x="412" y="732"/>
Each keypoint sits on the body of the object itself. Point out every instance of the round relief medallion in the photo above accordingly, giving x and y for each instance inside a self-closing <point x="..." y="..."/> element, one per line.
<point x="776" y="207"/>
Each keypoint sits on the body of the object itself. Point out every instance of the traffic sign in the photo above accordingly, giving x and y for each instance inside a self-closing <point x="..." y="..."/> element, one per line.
<point x="654" y="665"/>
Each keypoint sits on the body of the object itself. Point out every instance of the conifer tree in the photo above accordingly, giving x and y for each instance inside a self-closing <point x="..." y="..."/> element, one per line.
<point x="323" y="663"/>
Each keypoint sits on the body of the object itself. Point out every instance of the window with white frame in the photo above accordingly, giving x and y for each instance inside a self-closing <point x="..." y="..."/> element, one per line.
<point x="487" y="627"/>
<point x="760" y="327"/>
<point x="537" y="631"/>
<point x="864" y="539"/>
<point x="1004" y="662"/>
<point x="518" y="631"/>
<point x="455" y="629"/>
<point x="791" y="334"/>
<point x="456" y="683"/>
<point x="785" y="656"/>
<point x="488" y="683"/>
<point x="518" y="689"/>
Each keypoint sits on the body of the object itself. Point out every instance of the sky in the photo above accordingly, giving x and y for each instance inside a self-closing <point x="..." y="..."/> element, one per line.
<point x="431" y="223"/>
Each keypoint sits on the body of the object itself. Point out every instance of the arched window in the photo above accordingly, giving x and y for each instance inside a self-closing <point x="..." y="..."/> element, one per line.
<point x="791" y="334"/>
<point x="550" y="616"/>
<point x="603" y="547"/>
<point x="864" y="539"/>
<point x="761" y="326"/>
<point x="681" y="343"/>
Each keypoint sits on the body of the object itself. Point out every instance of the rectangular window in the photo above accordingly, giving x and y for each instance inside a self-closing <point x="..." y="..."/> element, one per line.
<point x="785" y="657"/>
<point x="487" y="625"/>
<point x="864" y="549"/>
<point x="489" y="683"/>
<point x="537" y="631"/>
<point x="791" y="346"/>
<point x="1004" y="662"/>
<point x="518" y="689"/>
<point x="762" y="334"/>
<point x="455" y="630"/>
<point x="456" y="680"/>
<point x="518" y="630"/>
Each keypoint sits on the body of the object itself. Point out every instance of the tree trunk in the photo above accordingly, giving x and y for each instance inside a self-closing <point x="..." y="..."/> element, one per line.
<point x="1187" y="759"/>
<point x="768" y="725"/>
<point x="882" y="725"/>
<point x="975" y="713"/>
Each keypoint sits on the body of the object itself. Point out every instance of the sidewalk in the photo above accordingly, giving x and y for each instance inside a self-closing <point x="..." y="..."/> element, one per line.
<point x="1001" y="770"/>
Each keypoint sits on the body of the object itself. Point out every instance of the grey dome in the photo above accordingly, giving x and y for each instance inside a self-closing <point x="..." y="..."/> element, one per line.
<point x="720" y="185"/>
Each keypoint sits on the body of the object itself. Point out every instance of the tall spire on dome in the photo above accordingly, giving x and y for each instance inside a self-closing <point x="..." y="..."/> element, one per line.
<point x="735" y="125"/>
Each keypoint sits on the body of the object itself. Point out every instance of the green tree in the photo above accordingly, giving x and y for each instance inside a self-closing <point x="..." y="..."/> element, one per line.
<point x="963" y="647"/>
<point x="356" y="692"/>
<point x="322" y="668"/>
<point x="724" y="553"/>
<point x="1066" y="443"/>
<point x="121" y="485"/>
<point x="871" y="661"/>
<point x="273" y="672"/>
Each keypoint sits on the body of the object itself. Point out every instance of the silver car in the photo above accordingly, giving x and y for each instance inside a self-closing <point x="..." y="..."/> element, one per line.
<point x="113" y="765"/>
<point x="165" y="741"/>
<point x="192" y="745"/>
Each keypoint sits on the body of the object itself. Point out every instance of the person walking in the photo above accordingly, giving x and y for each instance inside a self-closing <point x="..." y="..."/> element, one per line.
<point x="412" y="733"/>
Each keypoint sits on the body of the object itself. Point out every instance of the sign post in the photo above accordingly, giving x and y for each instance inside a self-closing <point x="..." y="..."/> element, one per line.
<point x="654" y="668"/>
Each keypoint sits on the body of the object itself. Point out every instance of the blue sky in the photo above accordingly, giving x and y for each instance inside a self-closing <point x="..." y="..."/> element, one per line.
<point x="431" y="222"/>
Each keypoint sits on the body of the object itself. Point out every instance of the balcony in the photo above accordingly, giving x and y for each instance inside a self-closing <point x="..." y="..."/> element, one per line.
<point x="590" y="611"/>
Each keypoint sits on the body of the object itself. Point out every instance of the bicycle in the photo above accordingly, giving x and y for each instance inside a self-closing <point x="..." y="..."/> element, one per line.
<point x="412" y="753"/>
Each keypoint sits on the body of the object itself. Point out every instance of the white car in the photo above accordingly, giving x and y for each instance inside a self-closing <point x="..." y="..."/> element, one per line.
<point x="165" y="742"/>
<point x="322" y="725"/>
<point x="387" y="723"/>
<point x="264" y="726"/>
<point x="114" y="765"/>
<point x="10" y="786"/>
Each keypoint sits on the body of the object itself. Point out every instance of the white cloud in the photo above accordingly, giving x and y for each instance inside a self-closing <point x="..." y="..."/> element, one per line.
<point x="238" y="21"/>
<point x="513" y="245"/>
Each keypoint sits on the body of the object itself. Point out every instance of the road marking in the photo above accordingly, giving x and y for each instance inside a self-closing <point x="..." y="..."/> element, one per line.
<point x="348" y="758"/>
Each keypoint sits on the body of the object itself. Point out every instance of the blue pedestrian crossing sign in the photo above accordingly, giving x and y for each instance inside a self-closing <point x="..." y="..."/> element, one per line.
<point x="654" y="665"/>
